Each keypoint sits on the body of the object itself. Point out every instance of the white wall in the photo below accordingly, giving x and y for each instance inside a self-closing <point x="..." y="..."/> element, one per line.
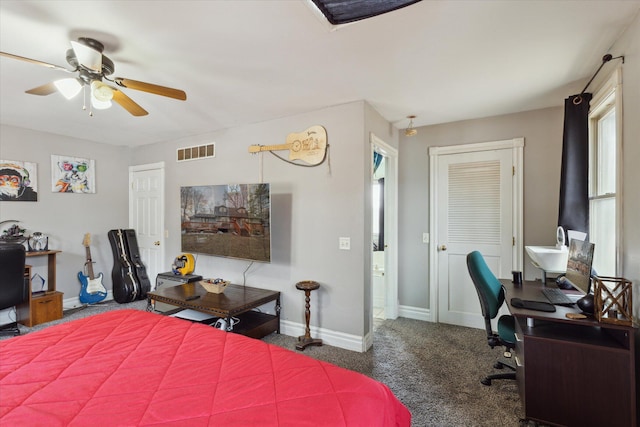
<point x="65" y="218"/>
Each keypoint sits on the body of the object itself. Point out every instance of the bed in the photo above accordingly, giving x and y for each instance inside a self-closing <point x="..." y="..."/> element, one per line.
<point x="130" y="367"/>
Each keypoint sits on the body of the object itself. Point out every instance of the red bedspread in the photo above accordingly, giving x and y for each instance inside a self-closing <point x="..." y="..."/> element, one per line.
<point x="127" y="367"/>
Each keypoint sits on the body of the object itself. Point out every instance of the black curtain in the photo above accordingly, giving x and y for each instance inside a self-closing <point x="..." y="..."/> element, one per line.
<point x="574" y="180"/>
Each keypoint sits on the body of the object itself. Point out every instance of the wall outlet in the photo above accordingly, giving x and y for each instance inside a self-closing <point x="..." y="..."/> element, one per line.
<point x="425" y="237"/>
<point x="344" y="243"/>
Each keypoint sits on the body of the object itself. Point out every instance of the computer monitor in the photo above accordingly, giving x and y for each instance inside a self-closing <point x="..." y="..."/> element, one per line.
<point x="579" y="264"/>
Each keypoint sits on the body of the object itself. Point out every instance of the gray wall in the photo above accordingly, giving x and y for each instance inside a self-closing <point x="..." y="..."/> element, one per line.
<point x="311" y="208"/>
<point x="629" y="45"/>
<point x="542" y="131"/>
<point x="314" y="206"/>
<point x="65" y="218"/>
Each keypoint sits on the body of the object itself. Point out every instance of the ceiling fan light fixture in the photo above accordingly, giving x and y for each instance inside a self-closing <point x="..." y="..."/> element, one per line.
<point x="101" y="92"/>
<point x="87" y="56"/>
<point x="100" y="105"/>
<point x="68" y="87"/>
<point x="410" y="130"/>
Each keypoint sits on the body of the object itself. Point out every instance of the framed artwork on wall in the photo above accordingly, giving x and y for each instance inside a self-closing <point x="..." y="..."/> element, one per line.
<point x="72" y="174"/>
<point x="18" y="181"/>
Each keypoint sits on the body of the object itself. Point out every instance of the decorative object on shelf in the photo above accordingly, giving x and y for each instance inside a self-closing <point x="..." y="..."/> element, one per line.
<point x="586" y="304"/>
<point x="37" y="283"/>
<point x="215" y="286"/>
<point x="72" y="174"/>
<point x="305" y="340"/>
<point x="13" y="234"/>
<point x="183" y="264"/>
<point x="310" y="146"/>
<point x="613" y="300"/>
<point x="18" y="181"/>
<point x="37" y="242"/>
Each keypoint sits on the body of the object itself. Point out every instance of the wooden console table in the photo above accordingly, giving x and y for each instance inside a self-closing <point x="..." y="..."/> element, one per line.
<point x="236" y="301"/>
<point x="41" y="307"/>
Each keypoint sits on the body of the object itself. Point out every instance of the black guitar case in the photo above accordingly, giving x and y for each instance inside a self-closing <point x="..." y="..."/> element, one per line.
<point x="139" y="269"/>
<point x="130" y="280"/>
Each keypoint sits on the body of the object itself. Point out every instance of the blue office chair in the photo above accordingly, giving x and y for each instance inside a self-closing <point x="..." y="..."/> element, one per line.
<point x="491" y="295"/>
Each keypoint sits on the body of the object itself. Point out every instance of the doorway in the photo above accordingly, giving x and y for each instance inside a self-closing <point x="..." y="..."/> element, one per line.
<point x="384" y="213"/>
<point x="475" y="204"/>
<point x="146" y="215"/>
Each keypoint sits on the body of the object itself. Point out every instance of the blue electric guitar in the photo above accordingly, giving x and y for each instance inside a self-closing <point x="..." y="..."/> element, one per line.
<point x="91" y="290"/>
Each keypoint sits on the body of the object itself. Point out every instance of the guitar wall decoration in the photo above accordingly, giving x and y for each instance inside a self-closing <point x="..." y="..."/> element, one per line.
<point x="309" y="146"/>
<point x="91" y="289"/>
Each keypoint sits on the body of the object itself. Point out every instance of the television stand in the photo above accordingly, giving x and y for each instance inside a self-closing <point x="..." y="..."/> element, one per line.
<point x="236" y="301"/>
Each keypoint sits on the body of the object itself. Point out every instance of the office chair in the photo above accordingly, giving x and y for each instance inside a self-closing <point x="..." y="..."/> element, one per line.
<point x="13" y="287"/>
<point x="491" y="297"/>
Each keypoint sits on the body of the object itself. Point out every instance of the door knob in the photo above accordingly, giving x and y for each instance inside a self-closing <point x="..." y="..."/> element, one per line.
<point x="443" y="247"/>
<point x="157" y="243"/>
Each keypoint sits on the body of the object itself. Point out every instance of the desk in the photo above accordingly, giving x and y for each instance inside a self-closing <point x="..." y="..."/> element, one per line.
<point x="573" y="372"/>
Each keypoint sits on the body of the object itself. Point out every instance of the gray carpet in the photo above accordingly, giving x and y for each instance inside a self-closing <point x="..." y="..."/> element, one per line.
<point x="434" y="369"/>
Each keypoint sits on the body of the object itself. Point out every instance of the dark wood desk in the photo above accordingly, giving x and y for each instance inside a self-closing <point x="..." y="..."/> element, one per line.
<point x="573" y="372"/>
<point x="236" y="301"/>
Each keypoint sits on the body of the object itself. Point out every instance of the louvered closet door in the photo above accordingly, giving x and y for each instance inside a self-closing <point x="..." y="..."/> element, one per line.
<point x="474" y="213"/>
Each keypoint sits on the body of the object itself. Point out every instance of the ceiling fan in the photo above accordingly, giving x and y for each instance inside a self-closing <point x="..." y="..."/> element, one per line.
<point x="92" y="67"/>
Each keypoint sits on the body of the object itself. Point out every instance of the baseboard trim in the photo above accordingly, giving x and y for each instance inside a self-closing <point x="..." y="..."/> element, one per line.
<point x="289" y="328"/>
<point x="416" y="313"/>
<point x="74" y="302"/>
<point x="334" y="338"/>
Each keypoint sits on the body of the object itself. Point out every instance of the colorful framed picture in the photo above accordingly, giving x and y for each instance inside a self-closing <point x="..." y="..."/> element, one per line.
<point x="72" y="174"/>
<point x="18" y="181"/>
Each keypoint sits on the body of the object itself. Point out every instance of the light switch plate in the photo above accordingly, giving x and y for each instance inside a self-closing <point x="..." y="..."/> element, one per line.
<point x="344" y="243"/>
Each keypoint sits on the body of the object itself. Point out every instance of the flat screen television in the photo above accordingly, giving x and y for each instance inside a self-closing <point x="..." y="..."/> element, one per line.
<point x="229" y="220"/>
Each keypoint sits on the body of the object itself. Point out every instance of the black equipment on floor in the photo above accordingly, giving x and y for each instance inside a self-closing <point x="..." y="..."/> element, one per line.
<point x="129" y="275"/>
<point x="14" y="286"/>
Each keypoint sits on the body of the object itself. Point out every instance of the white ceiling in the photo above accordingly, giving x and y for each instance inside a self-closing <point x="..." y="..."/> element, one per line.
<point x="244" y="62"/>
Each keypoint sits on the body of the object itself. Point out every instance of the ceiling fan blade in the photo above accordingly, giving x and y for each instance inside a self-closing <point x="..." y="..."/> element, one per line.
<point x="87" y="56"/>
<point x="128" y="103"/>
<point x="151" y="88"/>
<point x="45" y="89"/>
<point x="35" y="61"/>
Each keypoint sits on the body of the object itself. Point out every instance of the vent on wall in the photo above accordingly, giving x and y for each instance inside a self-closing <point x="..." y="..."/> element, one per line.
<point x="195" y="153"/>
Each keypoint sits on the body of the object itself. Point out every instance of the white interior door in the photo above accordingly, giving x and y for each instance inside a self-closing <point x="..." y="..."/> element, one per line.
<point x="146" y="215"/>
<point x="390" y="276"/>
<point x="476" y="208"/>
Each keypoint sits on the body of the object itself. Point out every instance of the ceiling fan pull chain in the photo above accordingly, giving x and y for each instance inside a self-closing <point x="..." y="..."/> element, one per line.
<point x="84" y="98"/>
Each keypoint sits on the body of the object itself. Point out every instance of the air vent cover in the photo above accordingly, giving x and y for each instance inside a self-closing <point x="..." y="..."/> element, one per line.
<point x="196" y="152"/>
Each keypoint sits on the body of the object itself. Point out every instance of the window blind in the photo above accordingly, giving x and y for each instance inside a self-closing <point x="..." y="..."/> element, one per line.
<point x="474" y="202"/>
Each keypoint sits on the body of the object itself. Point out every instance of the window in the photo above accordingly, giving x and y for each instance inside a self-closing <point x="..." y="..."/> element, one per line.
<point x="605" y="150"/>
